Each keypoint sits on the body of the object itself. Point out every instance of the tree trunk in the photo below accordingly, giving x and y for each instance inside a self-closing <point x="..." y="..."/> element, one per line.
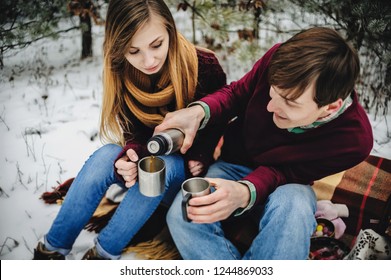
<point x="85" y="23"/>
<point x="1" y="59"/>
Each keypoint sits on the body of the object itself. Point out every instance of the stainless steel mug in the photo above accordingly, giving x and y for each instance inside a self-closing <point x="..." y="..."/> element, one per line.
<point x="193" y="187"/>
<point x="151" y="176"/>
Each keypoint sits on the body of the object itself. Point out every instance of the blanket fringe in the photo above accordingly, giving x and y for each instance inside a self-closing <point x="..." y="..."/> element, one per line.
<point x="58" y="194"/>
<point x="102" y="216"/>
<point x="97" y="223"/>
<point x="161" y="247"/>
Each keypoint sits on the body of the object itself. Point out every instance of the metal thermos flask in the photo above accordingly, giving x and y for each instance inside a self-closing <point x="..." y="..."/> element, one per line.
<point x="165" y="142"/>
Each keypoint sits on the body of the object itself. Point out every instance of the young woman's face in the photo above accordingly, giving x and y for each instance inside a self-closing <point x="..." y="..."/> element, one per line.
<point x="149" y="46"/>
<point x="293" y="113"/>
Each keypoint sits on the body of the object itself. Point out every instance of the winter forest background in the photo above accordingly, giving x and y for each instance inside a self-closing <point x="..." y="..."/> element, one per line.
<point x="51" y="84"/>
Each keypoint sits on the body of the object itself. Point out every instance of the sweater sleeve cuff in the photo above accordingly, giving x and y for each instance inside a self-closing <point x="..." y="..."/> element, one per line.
<point x="206" y="111"/>
<point x="253" y="197"/>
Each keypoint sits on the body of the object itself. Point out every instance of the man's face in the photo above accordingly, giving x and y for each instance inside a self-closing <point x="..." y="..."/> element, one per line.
<point x="288" y="113"/>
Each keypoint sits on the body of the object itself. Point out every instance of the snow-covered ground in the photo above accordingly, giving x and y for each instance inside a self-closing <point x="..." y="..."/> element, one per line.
<point x="49" y="116"/>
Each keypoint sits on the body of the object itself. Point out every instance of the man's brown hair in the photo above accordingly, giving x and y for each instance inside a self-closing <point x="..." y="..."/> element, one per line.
<point x="317" y="55"/>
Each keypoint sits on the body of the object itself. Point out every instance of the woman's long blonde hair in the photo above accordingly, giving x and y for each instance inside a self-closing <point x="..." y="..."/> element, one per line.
<point x="124" y="18"/>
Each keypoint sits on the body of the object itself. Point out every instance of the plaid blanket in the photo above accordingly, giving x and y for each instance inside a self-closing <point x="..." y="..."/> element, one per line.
<point x="366" y="190"/>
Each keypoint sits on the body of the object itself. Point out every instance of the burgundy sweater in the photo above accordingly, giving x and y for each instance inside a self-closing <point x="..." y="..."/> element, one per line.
<point x="211" y="77"/>
<point x="276" y="155"/>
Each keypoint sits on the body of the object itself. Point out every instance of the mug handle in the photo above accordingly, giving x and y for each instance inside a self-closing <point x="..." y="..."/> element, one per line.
<point x="185" y="202"/>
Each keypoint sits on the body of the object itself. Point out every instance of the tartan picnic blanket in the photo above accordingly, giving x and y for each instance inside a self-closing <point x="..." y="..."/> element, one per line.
<point x="365" y="189"/>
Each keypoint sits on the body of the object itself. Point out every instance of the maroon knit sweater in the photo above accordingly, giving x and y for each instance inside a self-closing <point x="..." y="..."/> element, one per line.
<point x="211" y="77"/>
<point x="276" y="155"/>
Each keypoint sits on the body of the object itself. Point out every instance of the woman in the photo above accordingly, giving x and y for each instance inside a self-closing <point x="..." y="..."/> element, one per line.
<point x="149" y="70"/>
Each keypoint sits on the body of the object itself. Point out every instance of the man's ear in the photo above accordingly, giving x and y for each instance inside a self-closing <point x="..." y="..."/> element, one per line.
<point x="335" y="106"/>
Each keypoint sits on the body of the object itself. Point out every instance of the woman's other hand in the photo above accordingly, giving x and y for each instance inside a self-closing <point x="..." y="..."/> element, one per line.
<point x="196" y="167"/>
<point x="127" y="167"/>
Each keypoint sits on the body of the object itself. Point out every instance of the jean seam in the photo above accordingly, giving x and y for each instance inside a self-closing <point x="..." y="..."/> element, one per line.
<point x="217" y="230"/>
<point x="120" y="206"/>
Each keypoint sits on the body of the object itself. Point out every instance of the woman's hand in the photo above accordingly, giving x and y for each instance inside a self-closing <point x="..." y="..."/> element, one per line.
<point x="196" y="167"/>
<point x="127" y="167"/>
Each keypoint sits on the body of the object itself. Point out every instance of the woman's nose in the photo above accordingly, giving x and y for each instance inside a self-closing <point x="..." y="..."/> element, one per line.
<point x="149" y="60"/>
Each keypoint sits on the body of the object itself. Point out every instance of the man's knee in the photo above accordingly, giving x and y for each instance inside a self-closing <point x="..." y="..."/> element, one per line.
<point x="293" y="196"/>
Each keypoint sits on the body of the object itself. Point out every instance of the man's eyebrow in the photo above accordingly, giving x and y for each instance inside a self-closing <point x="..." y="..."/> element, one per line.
<point x="289" y="99"/>
<point x="285" y="97"/>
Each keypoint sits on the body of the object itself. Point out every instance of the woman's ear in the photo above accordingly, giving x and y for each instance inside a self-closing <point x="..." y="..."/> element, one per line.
<point x="335" y="106"/>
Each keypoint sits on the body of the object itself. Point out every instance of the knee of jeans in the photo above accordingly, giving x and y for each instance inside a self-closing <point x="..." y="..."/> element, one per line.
<point x="108" y="151"/>
<point x="175" y="167"/>
<point x="102" y="160"/>
<point x="106" y="154"/>
<point x="295" y="196"/>
<point x="214" y="171"/>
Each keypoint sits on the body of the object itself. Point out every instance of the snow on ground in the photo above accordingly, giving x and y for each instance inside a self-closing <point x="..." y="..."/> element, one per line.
<point x="49" y="117"/>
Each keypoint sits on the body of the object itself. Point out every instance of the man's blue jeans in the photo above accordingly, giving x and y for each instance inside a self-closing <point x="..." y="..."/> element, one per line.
<point x="285" y="228"/>
<point x="87" y="191"/>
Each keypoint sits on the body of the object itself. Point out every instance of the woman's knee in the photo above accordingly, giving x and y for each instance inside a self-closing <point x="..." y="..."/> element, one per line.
<point x="108" y="151"/>
<point x="175" y="167"/>
<point x="106" y="154"/>
<point x="102" y="160"/>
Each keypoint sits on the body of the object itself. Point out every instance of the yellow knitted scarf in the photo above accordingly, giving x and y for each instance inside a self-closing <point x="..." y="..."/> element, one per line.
<point x="150" y="108"/>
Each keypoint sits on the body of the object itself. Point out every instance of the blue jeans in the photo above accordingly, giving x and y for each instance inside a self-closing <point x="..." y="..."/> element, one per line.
<point x="87" y="191"/>
<point x="285" y="228"/>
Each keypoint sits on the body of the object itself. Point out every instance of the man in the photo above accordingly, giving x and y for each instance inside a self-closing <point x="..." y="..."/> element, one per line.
<point x="294" y="118"/>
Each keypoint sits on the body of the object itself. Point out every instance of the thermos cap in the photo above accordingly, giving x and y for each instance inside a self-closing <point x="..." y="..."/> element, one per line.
<point x="165" y="142"/>
<point x="156" y="146"/>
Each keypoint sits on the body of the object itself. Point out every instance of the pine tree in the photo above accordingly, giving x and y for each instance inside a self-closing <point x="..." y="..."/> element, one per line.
<point x="23" y="22"/>
<point x="243" y="29"/>
<point x="229" y="27"/>
<point x="367" y="24"/>
<point x="86" y="10"/>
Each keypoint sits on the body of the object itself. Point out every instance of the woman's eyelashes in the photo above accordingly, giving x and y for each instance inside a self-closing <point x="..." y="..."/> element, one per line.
<point x="157" y="45"/>
<point x="133" y="51"/>
<point x="154" y="46"/>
